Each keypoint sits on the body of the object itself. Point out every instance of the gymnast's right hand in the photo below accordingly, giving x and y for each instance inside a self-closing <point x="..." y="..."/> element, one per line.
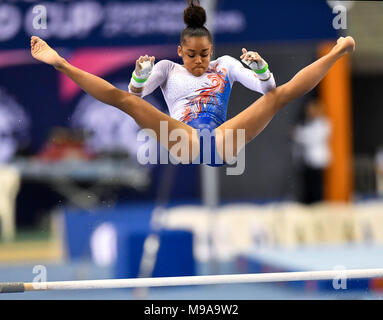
<point x="41" y="51"/>
<point x="144" y="66"/>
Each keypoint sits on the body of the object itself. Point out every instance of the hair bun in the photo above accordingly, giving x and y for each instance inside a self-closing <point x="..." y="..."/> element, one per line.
<point x="194" y="15"/>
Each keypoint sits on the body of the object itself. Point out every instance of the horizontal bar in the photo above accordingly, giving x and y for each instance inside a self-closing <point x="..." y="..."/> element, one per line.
<point x="192" y="280"/>
<point x="11" y="287"/>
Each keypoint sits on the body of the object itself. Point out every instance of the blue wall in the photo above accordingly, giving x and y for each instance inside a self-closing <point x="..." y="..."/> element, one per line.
<point x="116" y="23"/>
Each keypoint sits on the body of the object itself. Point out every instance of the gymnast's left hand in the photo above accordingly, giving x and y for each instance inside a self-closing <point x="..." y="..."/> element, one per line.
<point x="252" y="59"/>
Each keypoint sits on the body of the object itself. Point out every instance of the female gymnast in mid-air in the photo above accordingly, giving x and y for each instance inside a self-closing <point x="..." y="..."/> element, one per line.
<point x="197" y="92"/>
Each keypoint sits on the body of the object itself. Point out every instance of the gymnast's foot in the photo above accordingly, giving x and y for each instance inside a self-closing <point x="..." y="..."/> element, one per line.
<point x="344" y="45"/>
<point x="41" y="51"/>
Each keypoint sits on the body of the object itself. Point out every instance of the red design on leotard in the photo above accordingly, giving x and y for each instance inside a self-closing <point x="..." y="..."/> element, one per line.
<point x="206" y="95"/>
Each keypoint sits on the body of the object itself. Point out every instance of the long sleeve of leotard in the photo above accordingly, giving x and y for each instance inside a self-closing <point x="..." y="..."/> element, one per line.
<point x="157" y="78"/>
<point x="247" y="77"/>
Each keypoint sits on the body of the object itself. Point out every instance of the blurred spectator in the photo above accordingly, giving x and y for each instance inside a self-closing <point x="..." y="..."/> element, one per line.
<point x="311" y="139"/>
<point x="14" y="125"/>
<point x="379" y="170"/>
<point x="9" y="189"/>
<point x="64" y="144"/>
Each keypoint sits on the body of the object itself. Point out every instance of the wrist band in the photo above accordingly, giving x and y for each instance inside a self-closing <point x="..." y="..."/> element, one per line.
<point x="263" y="70"/>
<point x="137" y="82"/>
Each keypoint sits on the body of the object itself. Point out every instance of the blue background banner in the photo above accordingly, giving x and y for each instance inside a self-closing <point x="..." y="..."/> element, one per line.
<point x="116" y="23"/>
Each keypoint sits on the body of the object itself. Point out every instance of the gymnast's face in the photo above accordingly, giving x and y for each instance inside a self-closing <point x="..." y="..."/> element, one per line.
<point x="196" y="53"/>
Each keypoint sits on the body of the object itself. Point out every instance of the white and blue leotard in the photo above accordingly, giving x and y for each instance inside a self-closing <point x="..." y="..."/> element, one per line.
<point x="202" y="101"/>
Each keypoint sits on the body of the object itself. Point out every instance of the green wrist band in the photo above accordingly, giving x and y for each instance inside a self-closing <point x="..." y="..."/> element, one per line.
<point x="263" y="70"/>
<point x="137" y="79"/>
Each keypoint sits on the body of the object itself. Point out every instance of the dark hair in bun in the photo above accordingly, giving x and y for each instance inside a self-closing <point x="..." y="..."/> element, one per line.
<point x="195" y="19"/>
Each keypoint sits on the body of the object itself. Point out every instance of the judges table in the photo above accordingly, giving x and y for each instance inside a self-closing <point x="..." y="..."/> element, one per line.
<point x="69" y="177"/>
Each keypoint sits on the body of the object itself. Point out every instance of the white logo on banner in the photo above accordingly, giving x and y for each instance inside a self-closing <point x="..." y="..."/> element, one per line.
<point x="77" y="19"/>
<point x="10" y="21"/>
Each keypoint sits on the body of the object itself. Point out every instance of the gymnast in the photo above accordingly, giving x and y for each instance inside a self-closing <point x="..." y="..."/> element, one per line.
<point x="197" y="92"/>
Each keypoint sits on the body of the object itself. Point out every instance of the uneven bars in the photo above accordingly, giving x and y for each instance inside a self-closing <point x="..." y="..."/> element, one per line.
<point x="10" y="287"/>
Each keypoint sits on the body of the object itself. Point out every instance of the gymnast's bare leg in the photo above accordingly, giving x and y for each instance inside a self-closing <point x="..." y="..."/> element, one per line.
<point x="145" y="114"/>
